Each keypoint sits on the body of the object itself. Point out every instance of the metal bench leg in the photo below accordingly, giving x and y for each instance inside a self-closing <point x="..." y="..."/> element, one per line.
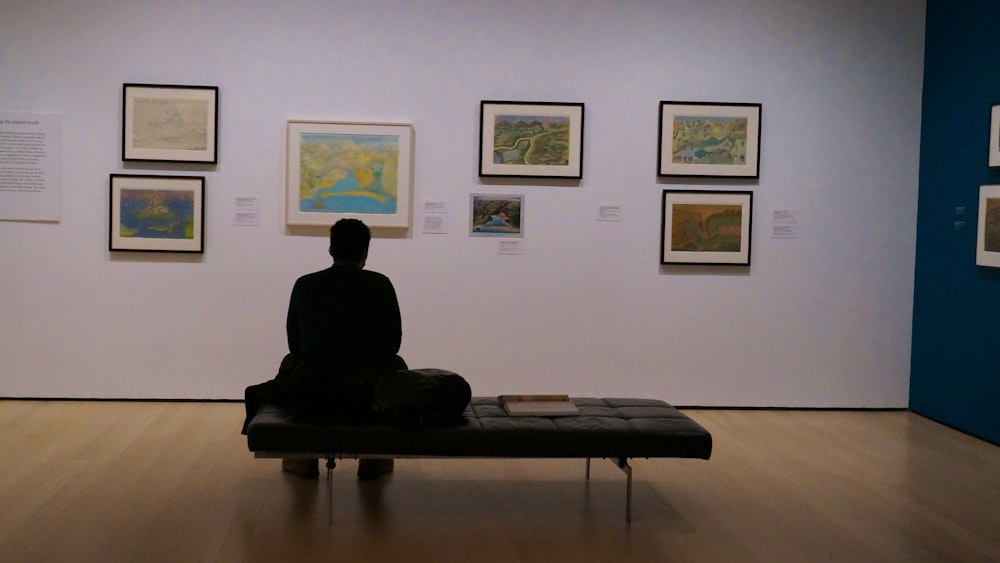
<point x="588" y="469"/>
<point x="330" y="464"/>
<point x="622" y="463"/>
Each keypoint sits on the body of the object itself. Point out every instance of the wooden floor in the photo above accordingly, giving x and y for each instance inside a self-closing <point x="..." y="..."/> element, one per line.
<point x="121" y="481"/>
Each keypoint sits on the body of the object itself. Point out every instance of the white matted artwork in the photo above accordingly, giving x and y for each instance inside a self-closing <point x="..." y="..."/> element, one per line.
<point x="170" y="123"/>
<point x="706" y="227"/>
<point x="153" y="213"/>
<point x="988" y="230"/>
<point x="337" y="170"/>
<point x="709" y="139"/>
<point x="492" y="215"/>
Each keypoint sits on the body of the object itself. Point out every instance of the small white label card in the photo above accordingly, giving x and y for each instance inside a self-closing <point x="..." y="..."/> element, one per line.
<point x="435" y="224"/>
<point x="784" y="230"/>
<point x="610" y="213"/>
<point x="246" y="218"/>
<point x="245" y="202"/>
<point x="785" y="216"/>
<point x="246" y="210"/>
<point x="510" y="247"/>
<point x="436" y="206"/>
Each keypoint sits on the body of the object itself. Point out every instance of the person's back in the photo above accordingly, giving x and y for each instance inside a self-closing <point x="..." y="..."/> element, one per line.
<point x="343" y="327"/>
<point x="344" y="331"/>
<point x="344" y="322"/>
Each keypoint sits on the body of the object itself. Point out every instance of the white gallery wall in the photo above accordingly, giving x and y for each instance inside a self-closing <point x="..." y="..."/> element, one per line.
<point x="820" y="320"/>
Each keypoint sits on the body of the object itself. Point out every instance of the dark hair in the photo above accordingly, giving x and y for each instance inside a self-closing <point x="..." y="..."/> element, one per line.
<point x="349" y="240"/>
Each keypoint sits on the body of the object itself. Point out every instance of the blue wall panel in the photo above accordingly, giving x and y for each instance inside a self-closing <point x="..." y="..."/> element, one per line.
<point x="955" y="373"/>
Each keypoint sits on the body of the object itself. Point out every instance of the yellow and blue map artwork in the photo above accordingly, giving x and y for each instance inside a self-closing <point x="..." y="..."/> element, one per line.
<point x="160" y="214"/>
<point x="345" y="173"/>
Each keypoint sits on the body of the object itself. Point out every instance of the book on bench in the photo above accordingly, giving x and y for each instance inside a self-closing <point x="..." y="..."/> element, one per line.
<point x="538" y="405"/>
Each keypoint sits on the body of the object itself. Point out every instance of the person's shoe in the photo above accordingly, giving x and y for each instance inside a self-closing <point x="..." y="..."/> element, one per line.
<point x="302" y="467"/>
<point x="373" y="468"/>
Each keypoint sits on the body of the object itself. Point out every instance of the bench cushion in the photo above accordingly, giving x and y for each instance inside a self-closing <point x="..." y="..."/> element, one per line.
<point x="605" y="428"/>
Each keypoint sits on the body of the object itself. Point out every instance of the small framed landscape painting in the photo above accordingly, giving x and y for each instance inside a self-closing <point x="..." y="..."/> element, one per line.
<point x="531" y="139"/>
<point x="359" y="170"/>
<point x="706" y="227"/>
<point x="170" y="123"/>
<point x="709" y="139"/>
<point x="988" y="229"/>
<point x="496" y="215"/>
<point x="157" y="213"/>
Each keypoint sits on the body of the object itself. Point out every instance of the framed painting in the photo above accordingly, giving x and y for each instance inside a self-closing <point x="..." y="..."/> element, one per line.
<point x="157" y="213"/>
<point x="709" y="139"/>
<point x="988" y="229"/>
<point x="994" y="160"/>
<point x="359" y="170"/>
<point x="706" y="227"/>
<point x="170" y="123"/>
<point x="531" y="139"/>
<point x="493" y="215"/>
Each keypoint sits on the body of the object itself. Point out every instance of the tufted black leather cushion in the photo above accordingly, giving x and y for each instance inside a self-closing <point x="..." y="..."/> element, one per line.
<point x="605" y="428"/>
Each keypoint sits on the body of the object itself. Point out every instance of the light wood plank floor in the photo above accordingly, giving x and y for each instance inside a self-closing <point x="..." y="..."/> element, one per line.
<point x="139" y="481"/>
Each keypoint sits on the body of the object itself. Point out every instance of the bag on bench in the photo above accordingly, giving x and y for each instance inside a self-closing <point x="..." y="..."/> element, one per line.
<point x="422" y="397"/>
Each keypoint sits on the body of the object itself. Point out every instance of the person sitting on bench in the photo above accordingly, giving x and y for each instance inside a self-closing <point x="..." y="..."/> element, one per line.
<point x="344" y="333"/>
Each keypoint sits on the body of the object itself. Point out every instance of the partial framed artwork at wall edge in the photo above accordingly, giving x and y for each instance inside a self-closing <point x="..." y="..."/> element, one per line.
<point x="337" y="170"/>
<point x="994" y="158"/>
<point x="706" y="227"/>
<point x="170" y="123"/>
<point x="151" y="213"/>
<point x="709" y="139"/>
<point x="988" y="229"/>
<point x="531" y="139"/>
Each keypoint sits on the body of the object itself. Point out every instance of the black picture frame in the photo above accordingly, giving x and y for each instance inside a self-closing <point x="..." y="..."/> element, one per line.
<point x="156" y="213"/>
<point x="709" y="139"/>
<point x="698" y="228"/>
<point x="170" y="123"/>
<point x="531" y="139"/>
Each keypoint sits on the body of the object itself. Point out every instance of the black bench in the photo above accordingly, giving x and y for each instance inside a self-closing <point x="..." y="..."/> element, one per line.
<point x="616" y="429"/>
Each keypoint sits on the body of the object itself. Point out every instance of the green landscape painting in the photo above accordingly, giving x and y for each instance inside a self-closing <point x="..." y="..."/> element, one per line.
<point x="534" y="140"/>
<point x="709" y="140"/>
<point x="698" y="227"/>
<point x="991" y="226"/>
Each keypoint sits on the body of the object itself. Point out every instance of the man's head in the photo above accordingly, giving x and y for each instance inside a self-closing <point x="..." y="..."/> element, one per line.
<point x="349" y="240"/>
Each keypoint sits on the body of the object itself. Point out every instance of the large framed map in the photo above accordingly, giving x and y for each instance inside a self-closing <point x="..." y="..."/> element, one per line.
<point x="358" y="170"/>
<point x="709" y="139"/>
<point x="531" y="139"/>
